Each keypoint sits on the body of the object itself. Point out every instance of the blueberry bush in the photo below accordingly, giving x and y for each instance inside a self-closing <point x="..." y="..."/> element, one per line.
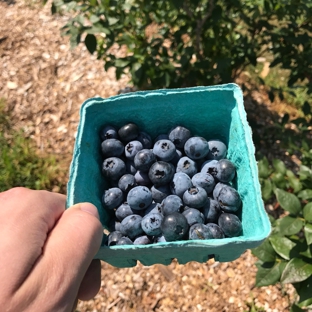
<point x="286" y="256"/>
<point x="183" y="43"/>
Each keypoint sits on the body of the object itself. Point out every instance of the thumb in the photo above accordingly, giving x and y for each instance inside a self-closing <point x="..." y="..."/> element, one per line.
<point x="69" y="250"/>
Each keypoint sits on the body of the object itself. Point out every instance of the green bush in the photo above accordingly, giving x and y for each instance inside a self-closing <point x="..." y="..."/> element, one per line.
<point x="19" y="163"/>
<point x="286" y="256"/>
<point x="180" y="43"/>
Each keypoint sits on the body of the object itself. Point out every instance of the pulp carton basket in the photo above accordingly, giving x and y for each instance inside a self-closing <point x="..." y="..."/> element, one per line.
<point x="215" y="112"/>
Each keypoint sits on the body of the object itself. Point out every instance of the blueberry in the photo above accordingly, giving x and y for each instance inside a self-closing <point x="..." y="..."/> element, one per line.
<point x="211" y="211"/>
<point x="151" y="223"/>
<point x="159" y="193"/>
<point x="144" y="159"/>
<point x="196" y="148"/>
<point x="124" y="241"/>
<point x="164" y="150"/>
<point x="139" y="198"/>
<point x="199" y="231"/>
<point x="230" y="224"/>
<point x="128" y="132"/>
<point x="187" y="166"/>
<point x="195" y="197"/>
<point x="180" y="183"/>
<point x="113" y="168"/>
<point x="114" y="237"/>
<point x="132" y="148"/>
<point x="227" y="197"/>
<point x="161" y="173"/>
<point x="204" y="180"/>
<point x="210" y="166"/>
<point x="225" y="171"/>
<point x="126" y="182"/>
<point x="179" y="135"/>
<point x="108" y="132"/>
<point x="170" y="204"/>
<point x="217" y="149"/>
<point x="124" y="210"/>
<point x="131" y="226"/>
<point x="193" y="216"/>
<point x="112" y="198"/>
<point x="142" y="240"/>
<point x="112" y="148"/>
<point x="153" y="208"/>
<point x="142" y="178"/>
<point x="130" y="168"/>
<point x="215" y="231"/>
<point x="174" y="227"/>
<point x="145" y="139"/>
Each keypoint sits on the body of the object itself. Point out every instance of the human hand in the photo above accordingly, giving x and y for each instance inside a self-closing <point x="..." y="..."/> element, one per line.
<point x="46" y="251"/>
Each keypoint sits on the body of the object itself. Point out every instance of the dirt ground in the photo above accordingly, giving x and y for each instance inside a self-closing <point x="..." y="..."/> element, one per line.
<point x="45" y="83"/>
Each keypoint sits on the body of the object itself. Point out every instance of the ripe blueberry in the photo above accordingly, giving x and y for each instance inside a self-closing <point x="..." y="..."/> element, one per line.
<point x="195" y="197"/>
<point x="187" y="166"/>
<point x="139" y="198"/>
<point x="174" y="227"/>
<point x="161" y="173"/>
<point x="230" y="224"/>
<point x="128" y="132"/>
<point x="164" y="150"/>
<point x="217" y="149"/>
<point x="196" y="148"/>
<point x="113" y="168"/>
<point x="179" y="135"/>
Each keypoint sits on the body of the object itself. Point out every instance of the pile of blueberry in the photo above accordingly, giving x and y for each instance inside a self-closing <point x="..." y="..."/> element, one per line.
<point x="177" y="188"/>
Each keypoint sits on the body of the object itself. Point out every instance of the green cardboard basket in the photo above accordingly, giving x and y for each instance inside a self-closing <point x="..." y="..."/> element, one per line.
<point x="215" y="112"/>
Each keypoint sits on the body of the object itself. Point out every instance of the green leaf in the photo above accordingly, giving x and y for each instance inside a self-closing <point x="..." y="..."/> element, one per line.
<point x="305" y="194"/>
<point x="296" y="270"/>
<point x="97" y="28"/>
<point x="112" y="21"/>
<point x="94" y="19"/>
<point x="263" y="168"/>
<point x="307" y="212"/>
<point x="289" y="225"/>
<point x="288" y="201"/>
<point x="295" y="308"/>
<point x="266" y="189"/>
<point x="295" y="184"/>
<point x="279" y="166"/>
<point x="308" y="233"/>
<point x="90" y="42"/>
<point x="304" y="290"/>
<point x="265" y="252"/>
<point x="269" y="273"/>
<point x="282" y="246"/>
<point x="121" y="62"/>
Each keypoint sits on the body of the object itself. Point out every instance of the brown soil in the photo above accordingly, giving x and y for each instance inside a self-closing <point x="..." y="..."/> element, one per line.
<point x="45" y="83"/>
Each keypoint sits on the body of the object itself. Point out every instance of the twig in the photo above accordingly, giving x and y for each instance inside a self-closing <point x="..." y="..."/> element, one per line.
<point x="113" y="303"/>
<point x="200" y="24"/>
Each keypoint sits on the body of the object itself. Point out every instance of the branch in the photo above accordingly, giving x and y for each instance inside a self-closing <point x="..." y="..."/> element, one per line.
<point x="200" y="25"/>
<point x="187" y="10"/>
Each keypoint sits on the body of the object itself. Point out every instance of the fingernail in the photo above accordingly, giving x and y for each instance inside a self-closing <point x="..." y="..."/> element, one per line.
<point x="89" y="208"/>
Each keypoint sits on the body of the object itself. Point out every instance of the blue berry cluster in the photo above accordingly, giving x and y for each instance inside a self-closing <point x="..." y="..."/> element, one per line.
<point x="177" y="187"/>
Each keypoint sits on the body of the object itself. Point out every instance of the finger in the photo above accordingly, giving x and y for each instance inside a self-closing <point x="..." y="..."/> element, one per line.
<point x="27" y="217"/>
<point x="91" y="282"/>
<point x="67" y="254"/>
